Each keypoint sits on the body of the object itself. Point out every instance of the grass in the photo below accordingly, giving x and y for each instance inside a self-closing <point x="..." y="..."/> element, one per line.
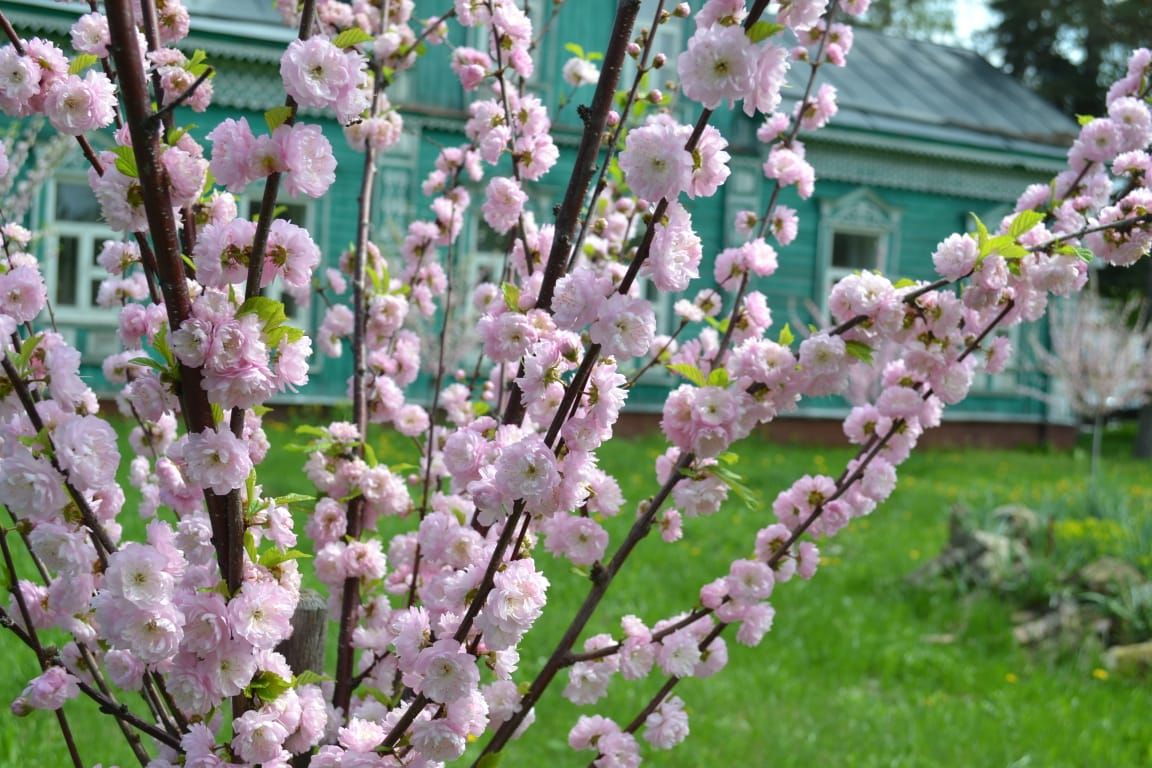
<point x="860" y="670"/>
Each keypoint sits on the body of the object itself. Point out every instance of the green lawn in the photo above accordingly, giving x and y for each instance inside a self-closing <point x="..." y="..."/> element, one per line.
<point x="860" y="669"/>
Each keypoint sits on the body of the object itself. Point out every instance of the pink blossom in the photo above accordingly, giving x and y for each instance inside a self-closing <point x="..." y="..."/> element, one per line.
<point x="437" y="740"/>
<point x="668" y="725"/>
<point x="446" y="672"/>
<point x="674" y="259"/>
<point x="955" y="257"/>
<point x="652" y="165"/>
<point x="625" y="326"/>
<point x="217" y="459"/>
<point x="76" y="105"/>
<point x="717" y="66"/>
<point x="310" y="164"/>
<point x="49" y="690"/>
<point x="90" y="34"/>
<point x="771" y="68"/>
<point x="503" y="203"/>
<point x="261" y="613"/>
<point x="259" y="736"/>
<point x="318" y="74"/>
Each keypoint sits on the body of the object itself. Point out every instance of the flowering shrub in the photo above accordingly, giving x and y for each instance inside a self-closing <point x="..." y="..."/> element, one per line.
<point x="429" y="622"/>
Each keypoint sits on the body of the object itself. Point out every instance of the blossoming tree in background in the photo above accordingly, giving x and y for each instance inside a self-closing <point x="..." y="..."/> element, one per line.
<point x="1101" y="355"/>
<point x="176" y="635"/>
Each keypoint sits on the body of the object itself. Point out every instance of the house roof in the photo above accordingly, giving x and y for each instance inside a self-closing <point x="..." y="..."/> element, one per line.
<point x="940" y="93"/>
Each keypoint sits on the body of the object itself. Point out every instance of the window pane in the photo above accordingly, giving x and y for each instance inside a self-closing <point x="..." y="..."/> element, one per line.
<point x="293" y="212"/>
<point x="94" y="292"/>
<point x="75" y="202"/>
<point x="855" y="251"/>
<point x="67" y="263"/>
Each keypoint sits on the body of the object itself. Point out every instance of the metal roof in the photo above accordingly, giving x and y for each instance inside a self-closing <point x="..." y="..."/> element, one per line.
<point x="940" y="93"/>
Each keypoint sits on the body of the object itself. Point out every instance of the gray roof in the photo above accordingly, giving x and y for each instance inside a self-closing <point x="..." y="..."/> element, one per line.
<point x="940" y="93"/>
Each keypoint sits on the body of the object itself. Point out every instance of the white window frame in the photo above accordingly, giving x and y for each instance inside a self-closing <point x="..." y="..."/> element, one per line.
<point x="860" y="212"/>
<point x="90" y="237"/>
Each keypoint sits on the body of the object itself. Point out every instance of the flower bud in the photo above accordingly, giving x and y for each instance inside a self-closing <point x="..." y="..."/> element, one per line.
<point x="659" y="61"/>
<point x="682" y="11"/>
<point x="633" y="49"/>
<point x="655" y="96"/>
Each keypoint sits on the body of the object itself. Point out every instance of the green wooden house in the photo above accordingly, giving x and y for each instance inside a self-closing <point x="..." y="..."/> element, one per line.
<point x="925" y="135"/>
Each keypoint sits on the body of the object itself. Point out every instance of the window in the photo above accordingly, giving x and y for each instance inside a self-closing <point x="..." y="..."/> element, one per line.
<point x="857" y="232"/>
<point x="75" y="235"/>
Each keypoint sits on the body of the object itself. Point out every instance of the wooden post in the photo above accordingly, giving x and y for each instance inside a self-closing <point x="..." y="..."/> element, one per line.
<point x="304" y="649"/>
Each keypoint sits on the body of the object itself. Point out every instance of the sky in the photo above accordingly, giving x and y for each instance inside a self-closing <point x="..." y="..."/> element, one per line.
<point x="971" y="16"/>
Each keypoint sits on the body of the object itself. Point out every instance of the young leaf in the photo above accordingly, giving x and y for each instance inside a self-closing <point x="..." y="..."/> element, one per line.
<point x="308" y="677"/>
<point x="511" y="297"/>
<point x="786" y="336"/>
<point x="126" y="161"/>
<point x="277" y="116"/>
<point x="859" y="350"/>
<point x="273" y="557"/>
<point x="762" y="30"/>
<point x="1024" y="222"/>
<point x="293" y="498"/>
<point x="350" y="37"/>
<point x="81" y="63"/>
<point x="690" y="372"/>
<point x="718" y="378"/>
<point x="1085" y="254"/>
<point x="1083" y="120"/>
<point x="981" y="234"/>
<point x="575" y="49"/>
<point x="269" y="686"/>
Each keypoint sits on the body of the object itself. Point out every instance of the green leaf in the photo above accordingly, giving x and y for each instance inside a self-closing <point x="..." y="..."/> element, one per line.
<point x="147" y="362"/>
<point x="1083" y="120"/>
<point x="859" y="350"/>
<point x="277" y="116"/>
<point x="309" y="429"/>
<point x="27" y="347"/>
<point x="250" y="545"/>
<point x="81" y="63"/>
<point x="1023" y="222"/>
<point x="198" y="64"/>
<point x="269" y="686"/>
<point x="490" y="761"/>
<point x="786" y="336"/>
<point x="126" y="162"/>
<point x="575" y="49"/>
<point x="1084" y="253"/>
<point x="728" y="457"/>
<point x="690" y="372"/>
<point x="511" y="297"/>
<point x="718" y="378"/>
<point x="720" y="325"/>
<point x="981" y="234"/>
<point x="350" y="37"/>
<point x="762" y="30"/>
<point x="904" y="282"/>
<point x="293" y="498"/>
<point x="273" y="557"/>
<point x="270" y="311"/>
<point x="480" y="407"/>
<point x="308" y="677"/>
